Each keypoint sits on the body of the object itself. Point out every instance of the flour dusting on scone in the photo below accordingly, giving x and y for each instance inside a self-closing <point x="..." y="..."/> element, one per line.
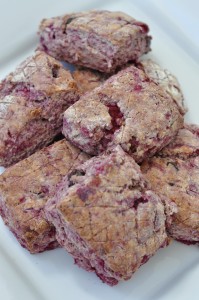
<point x="174" y="173"/>
<point x="32" y="101"/>
<point x="128" y="110"/>
<point x="165" y="79"/>
<point x="107" y="218"/>
<point x="25" y="189"/>
<point x="101" y="40"/>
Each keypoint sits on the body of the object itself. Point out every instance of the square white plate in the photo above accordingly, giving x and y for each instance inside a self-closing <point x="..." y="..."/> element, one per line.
<point x="173" y="272"/>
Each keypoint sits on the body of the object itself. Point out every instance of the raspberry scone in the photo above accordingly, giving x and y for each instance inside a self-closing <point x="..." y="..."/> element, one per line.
<point x="165" y="79"/>
<point x="87" y="79"/>
<point x="100" y="40"/>
<point x="25" y="188"/>
<point x="175" y="174"/>
<point x="107" y="218"/>
<point x="128" y="110"/>
<point x="32" y="101"/>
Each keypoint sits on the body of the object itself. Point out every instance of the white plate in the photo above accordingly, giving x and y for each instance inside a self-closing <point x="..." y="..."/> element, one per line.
<point x="173" y="272"/>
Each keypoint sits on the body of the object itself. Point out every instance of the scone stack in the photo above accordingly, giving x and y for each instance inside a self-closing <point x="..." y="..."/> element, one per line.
<point x="124" y="180"/>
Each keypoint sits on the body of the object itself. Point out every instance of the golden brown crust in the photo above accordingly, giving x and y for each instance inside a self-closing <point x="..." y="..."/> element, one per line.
<point x="33" y="99"/>
<point x="185" y="145"/>
<point x="166" y="80"/>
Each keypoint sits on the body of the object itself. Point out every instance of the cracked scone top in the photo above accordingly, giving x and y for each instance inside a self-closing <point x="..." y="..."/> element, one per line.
<point x="176" y="170"/>
<point x="88" y="79"/>
<point x="33" y="99"/>
<point x="107" y="218"/>
<point x="25" y="188"/>
<point x="101" y="40"/>
<point x="128" y="110"/>
<point x="165" y="79"/>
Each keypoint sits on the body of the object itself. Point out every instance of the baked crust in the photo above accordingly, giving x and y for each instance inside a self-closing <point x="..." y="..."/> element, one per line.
<point x="176" y="171"/>
<point x="87" y="79"/>
<point x="25" y="188"/>
<point x="185" y="145"/>
<point x="107" y="218"/>
<point x="128" y="109"/>
<point x="101" y="40"/>
<point x="166" y="80"/>
<point x="32" y="101"/>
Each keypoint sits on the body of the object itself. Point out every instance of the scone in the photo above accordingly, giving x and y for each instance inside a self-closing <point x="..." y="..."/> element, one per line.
<point x="100" y="40"/>
<point x="174" y="173"/>
<point x="25" y="188"/>
<point x="32" y="101"/>
<point x="107" y="218"/>
<point x="165" y="79"/>
<point x="87" y="79"/>
<point x="129" y="110"/>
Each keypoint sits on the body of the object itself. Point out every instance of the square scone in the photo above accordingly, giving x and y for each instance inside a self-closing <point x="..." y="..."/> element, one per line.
<point x="33" y="99"/>
<point x="25" y="188"/>
<point x="100" y="39"/>
<point x="164" y="78"/>
<point x="107" y="218"/>
<point x="87" y="80"/>
<point x="129" y="109"/>
<point x="176" y="170"/>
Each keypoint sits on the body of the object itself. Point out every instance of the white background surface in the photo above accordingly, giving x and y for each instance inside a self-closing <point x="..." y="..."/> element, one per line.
<point x="173" y="272"/>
